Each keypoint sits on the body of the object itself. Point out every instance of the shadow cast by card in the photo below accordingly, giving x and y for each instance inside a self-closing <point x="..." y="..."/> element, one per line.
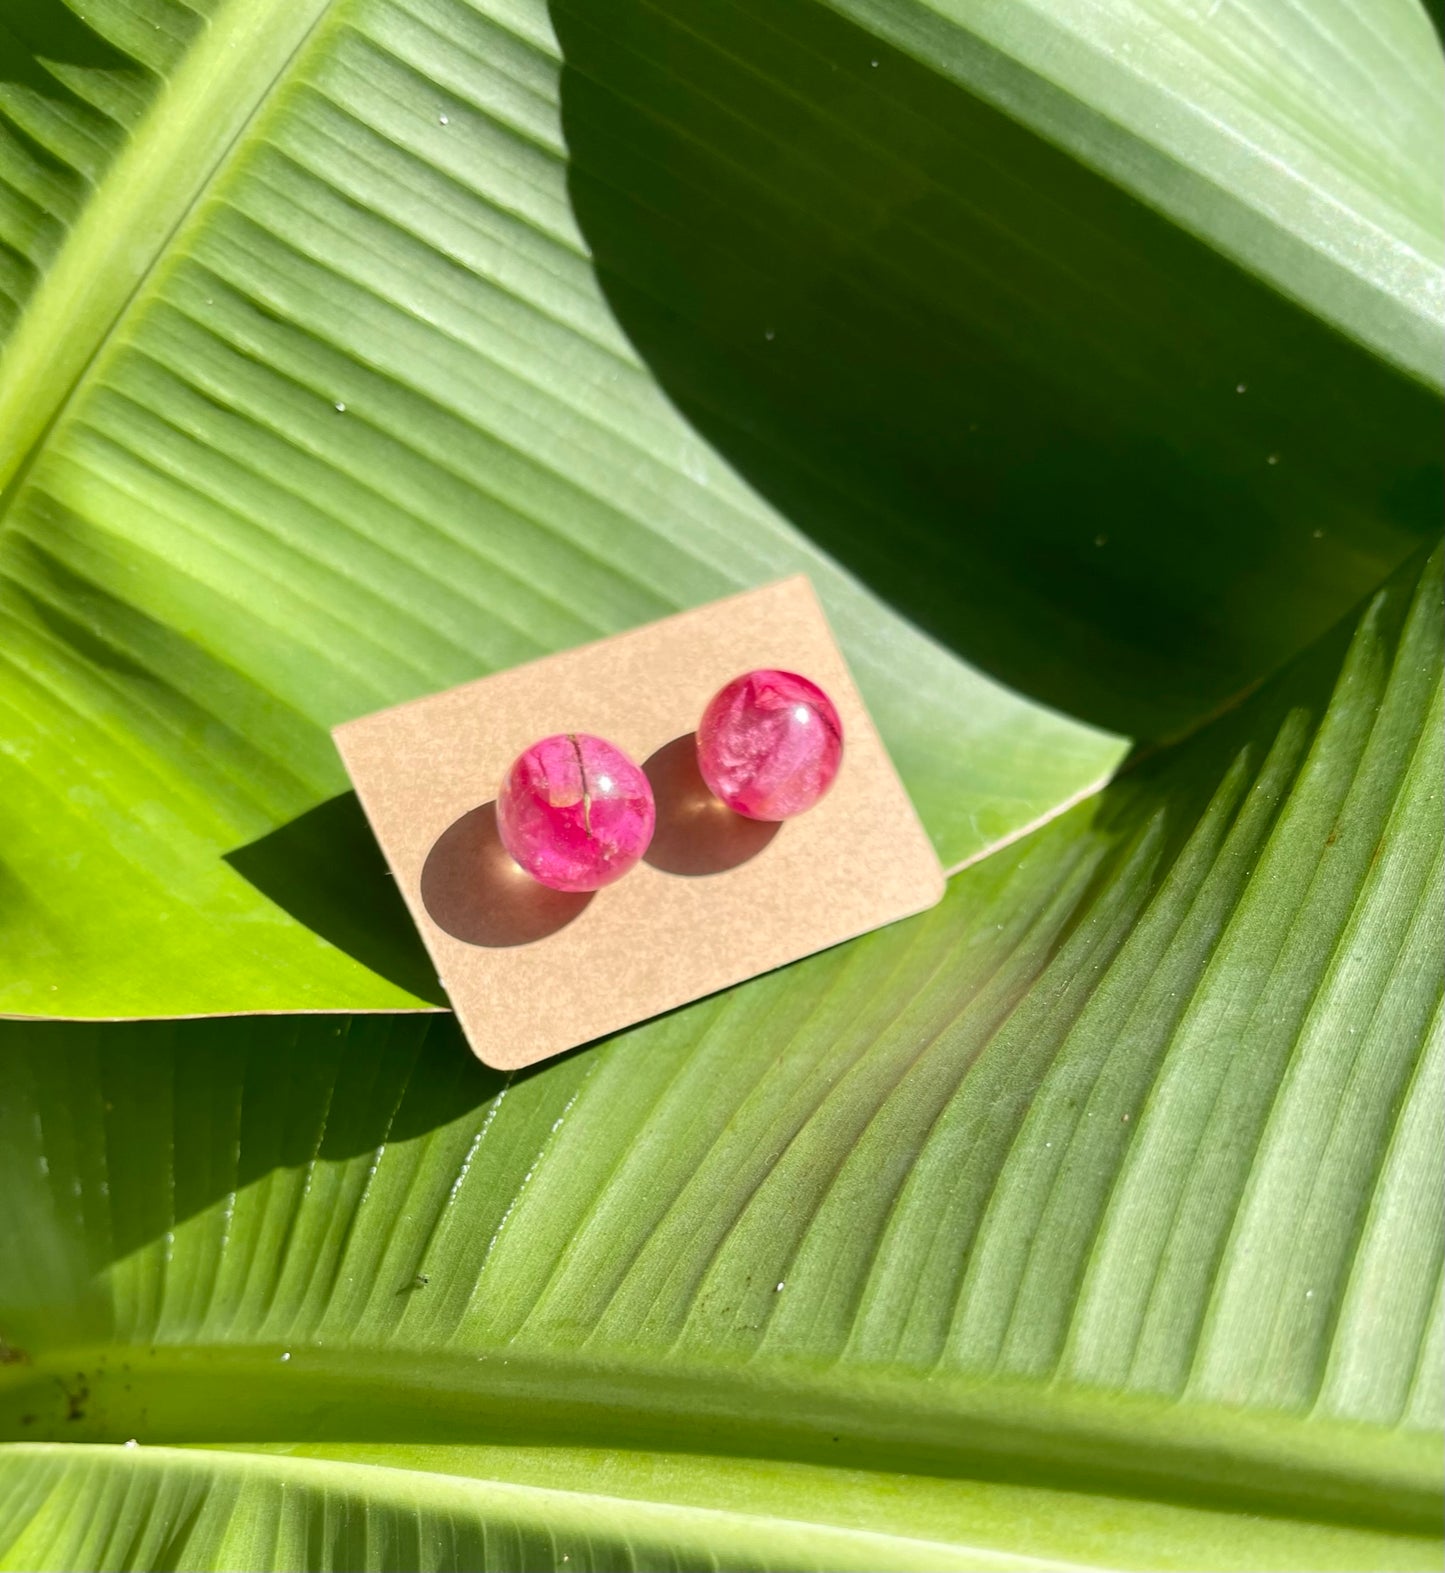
<point x="325" y="869"/>
<point x="696" y="834"/>
<point x="471" y="888"/>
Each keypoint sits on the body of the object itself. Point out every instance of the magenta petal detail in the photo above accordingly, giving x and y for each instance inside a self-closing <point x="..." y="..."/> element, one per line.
<point x="769" y="744"/>
<point x="575" y="812"/>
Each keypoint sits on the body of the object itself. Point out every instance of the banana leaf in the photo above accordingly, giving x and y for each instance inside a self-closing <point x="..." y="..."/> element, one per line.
<point x="1089" y="360"/>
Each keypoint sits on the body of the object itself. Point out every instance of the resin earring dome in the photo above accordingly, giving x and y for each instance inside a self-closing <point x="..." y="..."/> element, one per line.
<point x="769" y="744"/>
<point x="575" y="812"/>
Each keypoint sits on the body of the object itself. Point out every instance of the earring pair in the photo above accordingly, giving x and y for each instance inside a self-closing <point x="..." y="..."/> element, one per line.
<point x="576" y="813"/>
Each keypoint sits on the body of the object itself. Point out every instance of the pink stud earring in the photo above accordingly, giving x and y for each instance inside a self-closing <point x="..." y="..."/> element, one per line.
<point x="769" y="744"/>
<point x="575" y="812"/>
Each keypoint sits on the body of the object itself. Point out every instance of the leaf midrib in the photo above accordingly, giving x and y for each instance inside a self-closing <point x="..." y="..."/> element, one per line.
<point x="875" y="1418"/>
<point x="126" y="232"/>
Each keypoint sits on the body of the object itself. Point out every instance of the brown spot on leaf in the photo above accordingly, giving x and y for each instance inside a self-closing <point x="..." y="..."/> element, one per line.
<point x="75" y="1397"/>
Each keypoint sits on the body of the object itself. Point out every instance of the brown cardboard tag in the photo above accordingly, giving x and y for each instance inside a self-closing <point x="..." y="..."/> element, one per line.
<point x="531" y="972"/>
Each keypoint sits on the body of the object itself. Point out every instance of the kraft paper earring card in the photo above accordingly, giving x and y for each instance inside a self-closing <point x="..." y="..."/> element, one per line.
<point x="717" y="898"/>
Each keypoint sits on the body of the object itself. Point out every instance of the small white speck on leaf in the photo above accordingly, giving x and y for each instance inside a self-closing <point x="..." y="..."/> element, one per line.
<point x="1241" y="387"/>
<point x="285" y="1357"/>
<point x="130" y="1441"/>
<point x="340" y="408"/>
<point x="442" y="120"/>
<point x="779" y="1289"/>
<point x="874" y="64"/>
<point x="769" y="335"/>
<point x="1272" y="459"/>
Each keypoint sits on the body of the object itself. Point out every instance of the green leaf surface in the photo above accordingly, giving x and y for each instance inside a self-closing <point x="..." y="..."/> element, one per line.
<point x="1113" y="1180"/>
<point x="370" y="345"/>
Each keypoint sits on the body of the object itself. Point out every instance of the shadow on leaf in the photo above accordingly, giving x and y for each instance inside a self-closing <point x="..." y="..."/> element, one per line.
<point x="326" y="870"/>
<point x="1076" y="445"/>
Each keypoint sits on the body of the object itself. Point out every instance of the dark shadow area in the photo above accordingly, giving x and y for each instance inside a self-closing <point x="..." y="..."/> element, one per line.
<point x="1435" y="10"/>
<point x="1078" y="446"/>
<point x="471" y="888"/>
<point x="696" y="834"/>
<point x="327" y="871"/>
<point x="51" y="30"/>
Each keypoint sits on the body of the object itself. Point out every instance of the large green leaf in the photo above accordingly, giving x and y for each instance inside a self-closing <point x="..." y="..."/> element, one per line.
<point x="626" y="307"/>
<point x="1093" y="1216"/>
